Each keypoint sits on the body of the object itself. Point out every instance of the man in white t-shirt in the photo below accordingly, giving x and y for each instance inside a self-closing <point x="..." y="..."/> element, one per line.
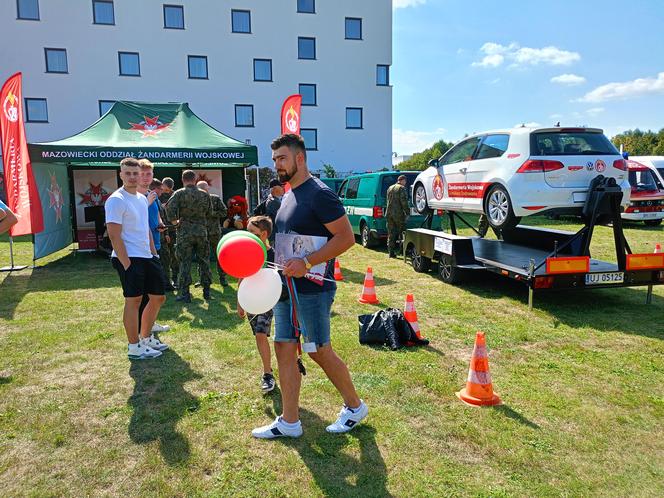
<point x="134" y="259"/>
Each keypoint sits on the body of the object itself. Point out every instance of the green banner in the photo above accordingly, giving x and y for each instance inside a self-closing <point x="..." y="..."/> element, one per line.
<point x="53" y="184"/>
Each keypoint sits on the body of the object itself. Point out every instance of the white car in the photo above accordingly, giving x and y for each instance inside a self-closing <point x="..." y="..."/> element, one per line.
<point x="655" y="163"/>
<point x="647" y="197"/>
<point x="508" y="174"/>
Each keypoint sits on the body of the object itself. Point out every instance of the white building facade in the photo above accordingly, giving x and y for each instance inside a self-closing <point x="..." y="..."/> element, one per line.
<point x="234" y="62"/>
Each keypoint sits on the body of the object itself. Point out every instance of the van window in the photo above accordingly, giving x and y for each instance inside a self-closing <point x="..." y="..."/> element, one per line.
<point x="351" y="190"/>
<point x="388" y="180"/>
<point x="493" y="146"/>
<point x="342" y="190"/>
<point x="367" y="187"/>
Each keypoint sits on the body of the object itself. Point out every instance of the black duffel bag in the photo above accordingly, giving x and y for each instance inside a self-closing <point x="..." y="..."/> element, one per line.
<point x="388" y="327"/>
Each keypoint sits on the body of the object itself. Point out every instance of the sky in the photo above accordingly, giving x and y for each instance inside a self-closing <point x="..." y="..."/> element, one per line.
<point x="461" y="67"/>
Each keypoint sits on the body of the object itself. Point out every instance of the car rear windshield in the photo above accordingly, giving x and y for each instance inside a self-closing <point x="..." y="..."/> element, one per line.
<point x="388" y="180"/>
<point x="572" y="143"/>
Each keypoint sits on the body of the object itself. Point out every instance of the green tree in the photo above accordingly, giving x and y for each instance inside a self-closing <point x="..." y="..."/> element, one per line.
<point x="329" y="171"/>
<point x="640" y="143"/>
<point x="420" y="159"/>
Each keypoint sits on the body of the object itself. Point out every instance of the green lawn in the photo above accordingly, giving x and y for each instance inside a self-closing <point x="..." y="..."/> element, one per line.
<point x="580" y="376"/>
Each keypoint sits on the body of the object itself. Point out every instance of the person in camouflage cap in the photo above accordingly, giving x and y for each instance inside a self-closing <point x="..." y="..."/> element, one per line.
<point x="192" y="208"/>
<point x="219" y="212"/>
<point x="396" y="213"/>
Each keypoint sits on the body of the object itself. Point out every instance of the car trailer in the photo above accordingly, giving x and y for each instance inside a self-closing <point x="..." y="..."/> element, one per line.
<point x="541" y="258"/>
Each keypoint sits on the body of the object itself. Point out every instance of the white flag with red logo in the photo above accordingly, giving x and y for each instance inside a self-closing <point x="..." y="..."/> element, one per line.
<point x="20" y="185"/>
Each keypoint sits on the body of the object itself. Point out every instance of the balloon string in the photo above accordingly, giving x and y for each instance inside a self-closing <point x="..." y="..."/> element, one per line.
<point x="277" y="266"/>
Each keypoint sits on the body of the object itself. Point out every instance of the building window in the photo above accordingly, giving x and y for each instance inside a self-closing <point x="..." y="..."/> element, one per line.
<point x="382" y="75"/>
<point x="56" y="60"/>
<point x="36" y="111"/>
<point x="105" y="106"/>
<point x="27" y="9"/>
<point x="308" y="93"/>
<point x="198" y="68"/>
<point x="241" y="21"/>
<point x="353" y="28"/>
<point x="244" y="115"/>
<point x="310" y="136"/>
<point x="102" y="12"/>
<point x="262" y="69"/>
<point x="354" y="117"/>
<point x="306" y="48"/>
<point x="306" y="6"/>
<point x="173" y="16"/>
<point x="130" y="64"/>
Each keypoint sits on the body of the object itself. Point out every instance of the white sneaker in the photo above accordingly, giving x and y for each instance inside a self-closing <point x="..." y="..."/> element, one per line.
<point x="154" y="343"/>
<point x="140" y="351"/>
<point x="158" y="329"/>
<point x="277" y="429"/>
<point x="349" y="418"/>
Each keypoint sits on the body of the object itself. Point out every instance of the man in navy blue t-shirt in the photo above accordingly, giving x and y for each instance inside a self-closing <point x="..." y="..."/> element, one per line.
<point x="309" y="209"/>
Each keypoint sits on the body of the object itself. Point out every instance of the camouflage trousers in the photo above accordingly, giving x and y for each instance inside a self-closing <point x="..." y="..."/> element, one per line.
<point x="395" y="227"/>
<point x="169" y="260"/>
<point x="185" y="248"/>
<point x="214" y="240"/>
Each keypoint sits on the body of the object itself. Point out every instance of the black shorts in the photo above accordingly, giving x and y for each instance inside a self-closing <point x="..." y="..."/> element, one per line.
<point x="144" y="276"/>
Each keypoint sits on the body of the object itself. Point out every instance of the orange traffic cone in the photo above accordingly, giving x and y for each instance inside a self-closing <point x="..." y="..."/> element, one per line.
<point x="658" y="248"/>
<point x="411" y="315"/>
<point x="337" y="271"/>
<point x="479" y="389"/>
<point x="369" y="290"/>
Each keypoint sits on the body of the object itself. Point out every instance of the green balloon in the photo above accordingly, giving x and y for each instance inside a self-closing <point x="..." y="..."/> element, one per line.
<point x="240" y="233"/>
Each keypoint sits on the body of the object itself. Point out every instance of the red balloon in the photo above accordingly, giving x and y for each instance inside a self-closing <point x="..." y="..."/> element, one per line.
<point x="241" y="257"/>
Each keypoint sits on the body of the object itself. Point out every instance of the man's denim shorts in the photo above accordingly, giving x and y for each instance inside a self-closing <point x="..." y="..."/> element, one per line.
<point x="313" y="312"/>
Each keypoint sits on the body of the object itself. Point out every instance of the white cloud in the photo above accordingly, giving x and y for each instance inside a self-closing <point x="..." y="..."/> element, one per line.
<point x="495" y="54"/>
<point x="400" y="4"/>
<point x="625" y="90"/>
<point x="568" y="79"/>
<point x="529" y="124"/>
<point x="594" y="111"/>
<point x="555" y="116"/>
<point x="410" y="141"/>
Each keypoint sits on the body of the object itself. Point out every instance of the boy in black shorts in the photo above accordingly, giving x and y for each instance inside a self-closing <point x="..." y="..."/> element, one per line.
<point x="261" y="226"/>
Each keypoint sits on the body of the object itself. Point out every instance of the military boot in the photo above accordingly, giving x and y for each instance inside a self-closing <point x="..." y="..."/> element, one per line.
<point x="206" y="293"/>
<point x="184" y="295"/>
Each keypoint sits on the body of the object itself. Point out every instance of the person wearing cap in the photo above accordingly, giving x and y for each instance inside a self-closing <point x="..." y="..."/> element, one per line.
<point x="271" y="205"/>
<point x="396" y="213"/>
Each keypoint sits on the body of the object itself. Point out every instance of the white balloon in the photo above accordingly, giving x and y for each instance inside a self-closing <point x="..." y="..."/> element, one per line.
<point x="260" y="292"/>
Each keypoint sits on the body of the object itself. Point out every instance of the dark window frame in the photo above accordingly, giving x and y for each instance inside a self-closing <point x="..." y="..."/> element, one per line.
<point x="173" y="6"/>
<point x="120" y="64"/>
<point x="18" y="13"/>
<point x="299" y="88"/>
<point x="46" y="50"/>
<point x="313" y="4"/>
<point x="346" y="37"/>
<point x="315" y="130"/>
<point x="299" y="56"/>
<point x="387" y="73"/>
<point x="207" y="68"/>
<point x="99" y="102"/>
<point x="253" y="121"/>
<point x="271" y="75"/>
<point x="94" y="14"/>
<point x="361" y="109"/>
<point x="242" y="11"/>
<point x="27" y="110"/>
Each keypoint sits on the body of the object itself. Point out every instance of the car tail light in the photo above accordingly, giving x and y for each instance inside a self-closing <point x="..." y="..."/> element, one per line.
<point x="620" y="164"/>
<point x="440" y="212"/>
<point x="539" y="166"/>
<point x="377" y="212"/>
<point x="543" y="282"/>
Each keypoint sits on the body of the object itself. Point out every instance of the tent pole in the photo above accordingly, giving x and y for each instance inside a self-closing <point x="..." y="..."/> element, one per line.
<point x="258" y="186"/>
<point x="11" y="266"/>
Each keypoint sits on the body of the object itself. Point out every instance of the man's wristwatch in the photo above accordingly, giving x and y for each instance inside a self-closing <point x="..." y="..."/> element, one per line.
<point x="306" y="263"/>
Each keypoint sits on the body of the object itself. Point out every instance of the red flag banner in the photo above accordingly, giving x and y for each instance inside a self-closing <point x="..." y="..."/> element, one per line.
<point x="20" y="185"/>
<point x="290" y="114"/>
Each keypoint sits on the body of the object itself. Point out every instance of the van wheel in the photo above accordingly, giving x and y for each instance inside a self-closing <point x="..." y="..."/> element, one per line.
<point x="421" y="264"/>
<point x="420" y="200"/>
<point x="366" y="238"/>
<point x="447" y="272"/>
<point x="652" y="223"/>
<point x="498" y="209"/>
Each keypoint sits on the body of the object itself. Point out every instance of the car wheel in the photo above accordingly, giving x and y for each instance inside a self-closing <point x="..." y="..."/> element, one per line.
<point x="498" y="209"/>
<point x="653" y="223"/>
<point x="447" y="272"/>
<point x="365" y="236"/>
<point x="421" y="264"/>
<point x="421" y="202"/>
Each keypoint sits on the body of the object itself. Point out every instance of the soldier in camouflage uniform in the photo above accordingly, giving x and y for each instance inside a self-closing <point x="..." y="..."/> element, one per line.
<point x="219" y="212"/>
<point x="191" y="207"/>
<point x="396" y="213"/>
<point x="167" y="251"/>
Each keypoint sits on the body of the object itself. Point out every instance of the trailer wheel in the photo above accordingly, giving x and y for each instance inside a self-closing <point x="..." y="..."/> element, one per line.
<point x="447" y="272"/>
<point x="653" y="223"/>
<point x="421" y="264"/>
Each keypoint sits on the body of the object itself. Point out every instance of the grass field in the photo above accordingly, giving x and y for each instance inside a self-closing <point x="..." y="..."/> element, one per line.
<point x="581" y="378"/>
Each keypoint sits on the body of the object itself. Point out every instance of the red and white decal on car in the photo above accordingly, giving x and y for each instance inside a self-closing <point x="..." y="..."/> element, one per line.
<point x="600" y="165"/>
<point x="474" y="190"/>
<point x="438" y="187"/>
<point x="574" y="168"/>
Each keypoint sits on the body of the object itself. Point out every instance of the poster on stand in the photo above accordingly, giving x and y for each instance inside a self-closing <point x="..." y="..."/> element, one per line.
<point x="91" y="188"/>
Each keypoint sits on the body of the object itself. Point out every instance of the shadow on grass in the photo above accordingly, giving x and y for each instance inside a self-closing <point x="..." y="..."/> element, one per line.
<point x="159" y="401"/>
<point x="514" y="415"/>
<point x="219" y="313"/>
